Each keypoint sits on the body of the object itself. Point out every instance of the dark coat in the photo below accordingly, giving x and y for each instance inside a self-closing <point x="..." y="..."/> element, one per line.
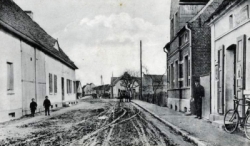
<point x="46" y="103"/>
<point x="33" y="105"/>
<point x="198" y="92"/>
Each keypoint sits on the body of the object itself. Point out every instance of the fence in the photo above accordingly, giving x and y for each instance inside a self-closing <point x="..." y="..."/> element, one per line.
<point x="158" y="98"/>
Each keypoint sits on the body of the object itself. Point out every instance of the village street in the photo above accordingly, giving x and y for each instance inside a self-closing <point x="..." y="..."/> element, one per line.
<point x="91" y="122"/>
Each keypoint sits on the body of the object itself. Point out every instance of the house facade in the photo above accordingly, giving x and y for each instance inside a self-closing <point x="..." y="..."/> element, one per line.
<point x="88" y="89"/>
<point x="189" y="50"/>
<point x="33" y="65"/>
<point x="230" y="77"/>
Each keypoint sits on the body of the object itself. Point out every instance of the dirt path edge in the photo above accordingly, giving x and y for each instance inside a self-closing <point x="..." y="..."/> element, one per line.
<point x="175" y="128"/>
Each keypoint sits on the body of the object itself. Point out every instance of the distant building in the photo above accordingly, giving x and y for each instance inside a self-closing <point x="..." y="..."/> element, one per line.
<point x="189" y="50"/>
<point x="32" y="65"/>
<point x="153" y="84"/>
<point x="102" y="90"/>
<point x="88" y="89"/>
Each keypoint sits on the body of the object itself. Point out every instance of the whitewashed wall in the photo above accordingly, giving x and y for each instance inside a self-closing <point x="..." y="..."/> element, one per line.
<point x="10" y="101"/>
<point x="57" y="68"/>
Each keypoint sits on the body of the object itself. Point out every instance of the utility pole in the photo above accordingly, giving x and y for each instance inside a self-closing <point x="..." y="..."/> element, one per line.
<point x="141" y="68"/>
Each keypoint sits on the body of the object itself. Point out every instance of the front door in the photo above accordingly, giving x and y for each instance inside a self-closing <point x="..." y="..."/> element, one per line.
<point x="28" y="76"/>
<point x="240" y="71"/>
<point x="62" y="89"/>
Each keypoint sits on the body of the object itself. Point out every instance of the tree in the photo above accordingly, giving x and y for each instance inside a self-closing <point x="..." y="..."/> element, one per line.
<point x="130" y="80"/>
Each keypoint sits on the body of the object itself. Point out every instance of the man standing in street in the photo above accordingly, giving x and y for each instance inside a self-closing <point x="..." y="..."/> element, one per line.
<point x="46" y="105"/>
<point x="197" y="97"/>
<point x="33" y="106"/>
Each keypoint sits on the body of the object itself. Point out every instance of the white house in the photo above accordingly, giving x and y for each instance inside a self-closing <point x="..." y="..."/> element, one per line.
<point x="230" y="68"/>
<point x="33" y="65"/>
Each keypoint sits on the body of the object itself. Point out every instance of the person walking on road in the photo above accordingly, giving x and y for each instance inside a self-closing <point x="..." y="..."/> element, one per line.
<point x="197" y="97"/>
<point x="33" y="106"/>
<point x="47" y="105"/>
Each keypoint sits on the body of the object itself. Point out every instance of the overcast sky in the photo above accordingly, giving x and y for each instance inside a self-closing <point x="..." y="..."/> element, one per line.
<point x="102" y="36"/>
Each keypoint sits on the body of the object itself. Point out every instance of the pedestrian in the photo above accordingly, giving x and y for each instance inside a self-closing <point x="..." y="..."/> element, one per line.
<point x="33" y="106"/>
<point x="47" y="105"/>
<point x="197" y="98"/>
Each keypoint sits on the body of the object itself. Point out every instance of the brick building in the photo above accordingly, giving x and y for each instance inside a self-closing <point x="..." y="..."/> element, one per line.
<point x="189" y="49"/>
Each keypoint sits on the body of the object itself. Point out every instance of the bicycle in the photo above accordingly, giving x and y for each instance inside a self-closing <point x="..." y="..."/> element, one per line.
<point x="232" y="118"/>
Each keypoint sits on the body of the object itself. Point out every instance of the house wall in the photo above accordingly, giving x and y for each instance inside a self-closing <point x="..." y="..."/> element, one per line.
<point x="55" y="67"/>
<point x="89" y="89"/>
<point x="222" y="34"/>
<point x="11" y="102"/>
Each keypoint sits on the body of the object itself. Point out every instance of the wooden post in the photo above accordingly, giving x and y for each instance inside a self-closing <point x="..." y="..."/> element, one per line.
<point x="141" y="68"/>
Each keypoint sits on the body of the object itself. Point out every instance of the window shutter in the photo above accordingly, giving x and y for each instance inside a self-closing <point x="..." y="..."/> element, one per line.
<point x="220" y="84"/>
<point x="55" y="83"/>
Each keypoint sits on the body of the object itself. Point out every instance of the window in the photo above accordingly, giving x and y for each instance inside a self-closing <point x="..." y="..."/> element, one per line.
<point x="180" y="70"/>
<point x="187" y="71"/>
<point x="172" y="76"/>
<point x="231" y="21"/>
<point x="185" y="37"/>
<point x="74" y="84"/>
<point x="175" y="22"/>
<point x="69" y="86"/>
<point x="50" y="83"/>
<point x="176" y="74"/>
<point x="10" y="77"/>
<point x="172" y="26"/>
<point x="55" y="83"/>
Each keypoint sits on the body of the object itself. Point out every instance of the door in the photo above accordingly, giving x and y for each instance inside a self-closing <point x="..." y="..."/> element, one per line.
<point x="240" y="71"/>
<point x="62" y="89"/>
<point x="28" y="76"/>
<point x="40" y="79"/>
<point x="220" y="82"/>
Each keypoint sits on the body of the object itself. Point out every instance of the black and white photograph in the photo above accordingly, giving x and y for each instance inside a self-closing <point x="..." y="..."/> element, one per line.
<point x="124" y="73"/>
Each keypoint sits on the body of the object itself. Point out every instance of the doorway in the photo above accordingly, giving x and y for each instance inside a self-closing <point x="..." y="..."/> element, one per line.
<point x="230" y="76"/>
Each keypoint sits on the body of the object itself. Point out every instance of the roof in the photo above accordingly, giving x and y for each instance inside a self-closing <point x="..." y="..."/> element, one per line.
<point x="12" y="16"/>
<point x="155" y="78"/>
<point x="84" y="87"/>
<point x="224" y="5"/>
<point x="193" y="2"/>
<point x="102" y="87"/>
<point x="207" y="10"/>
<point x="114" y="80"/>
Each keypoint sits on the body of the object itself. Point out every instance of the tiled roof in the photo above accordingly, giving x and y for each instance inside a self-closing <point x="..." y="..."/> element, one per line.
<point x="102" y="87"/>
<point x="155" y="78"/>
<point x="13" y="16"/>
<point x="222" y="7"/>
<point x="114" y="80"/>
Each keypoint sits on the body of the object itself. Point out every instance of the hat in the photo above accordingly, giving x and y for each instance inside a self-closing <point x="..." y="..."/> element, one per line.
<point x="196" y="80"/>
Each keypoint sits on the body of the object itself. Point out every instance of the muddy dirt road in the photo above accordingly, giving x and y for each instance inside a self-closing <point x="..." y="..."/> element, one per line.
<point x="114" y="124"/>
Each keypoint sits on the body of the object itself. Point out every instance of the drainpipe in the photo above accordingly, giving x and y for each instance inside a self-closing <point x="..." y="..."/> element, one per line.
<point x="190" y="51"/>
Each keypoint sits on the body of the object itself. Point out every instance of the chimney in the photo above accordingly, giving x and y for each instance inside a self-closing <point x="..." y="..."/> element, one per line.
<point x="30" y="13"/>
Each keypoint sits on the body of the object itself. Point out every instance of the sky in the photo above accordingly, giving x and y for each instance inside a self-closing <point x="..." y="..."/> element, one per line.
<point x="103" y="37"/>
